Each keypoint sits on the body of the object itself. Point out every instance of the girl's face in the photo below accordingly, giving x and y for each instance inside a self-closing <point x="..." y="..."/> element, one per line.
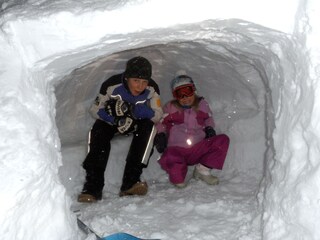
<point x="137" y="85"/>
<point x="187" y="101"/>
<point x="185" y="95"/>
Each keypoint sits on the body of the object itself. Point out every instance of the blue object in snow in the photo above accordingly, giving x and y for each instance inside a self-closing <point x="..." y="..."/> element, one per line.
<point x="116" y="236"/>
<point x="120" y="236"/>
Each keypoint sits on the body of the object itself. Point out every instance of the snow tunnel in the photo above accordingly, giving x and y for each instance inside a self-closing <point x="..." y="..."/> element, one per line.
<point x="248" y="73"/>
<point x="234" y="66"/>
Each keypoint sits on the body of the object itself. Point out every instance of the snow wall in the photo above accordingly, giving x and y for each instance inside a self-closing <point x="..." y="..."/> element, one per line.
<point x="263" y="74"/>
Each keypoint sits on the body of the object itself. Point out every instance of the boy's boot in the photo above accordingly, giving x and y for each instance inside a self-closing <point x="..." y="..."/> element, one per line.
<point x="139" y="188"/>
<point x="92" y="189"/>
<point x="88" y="198"/>
<point x="203" y="173"/>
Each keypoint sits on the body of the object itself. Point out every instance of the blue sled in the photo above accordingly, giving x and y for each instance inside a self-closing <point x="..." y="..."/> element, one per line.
<point x="122" y="236"/>
<point x="116" y="236"/>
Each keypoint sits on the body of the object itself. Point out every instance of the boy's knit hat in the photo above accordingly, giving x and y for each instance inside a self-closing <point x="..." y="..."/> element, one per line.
<point x="138" y="67"/>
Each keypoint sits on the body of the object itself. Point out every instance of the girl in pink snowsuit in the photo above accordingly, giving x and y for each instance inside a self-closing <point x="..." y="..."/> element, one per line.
<point x="186" y="136"/>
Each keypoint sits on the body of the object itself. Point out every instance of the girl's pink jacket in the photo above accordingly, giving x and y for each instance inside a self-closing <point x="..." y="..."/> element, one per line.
<point x="185" y="127"/>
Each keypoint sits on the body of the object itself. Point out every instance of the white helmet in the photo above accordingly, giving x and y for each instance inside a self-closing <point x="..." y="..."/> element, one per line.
<point x="180" y="81"/>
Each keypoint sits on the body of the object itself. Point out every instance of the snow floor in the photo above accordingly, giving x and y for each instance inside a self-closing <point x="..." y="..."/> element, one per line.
<point x="199" y="212"/>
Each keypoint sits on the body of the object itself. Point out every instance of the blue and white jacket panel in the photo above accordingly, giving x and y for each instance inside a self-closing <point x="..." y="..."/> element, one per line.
<point x="116" y="88"/>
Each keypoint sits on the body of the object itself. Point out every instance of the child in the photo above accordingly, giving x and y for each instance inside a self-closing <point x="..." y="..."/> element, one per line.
<point x="186" y="135"/>
<point x="134" y="87"/>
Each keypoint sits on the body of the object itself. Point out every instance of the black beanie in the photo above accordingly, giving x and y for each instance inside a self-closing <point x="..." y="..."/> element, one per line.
<point x="138" y="67"/>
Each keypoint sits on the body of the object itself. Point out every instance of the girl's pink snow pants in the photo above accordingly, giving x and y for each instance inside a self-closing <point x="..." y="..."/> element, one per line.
<point x="210" y="152"/>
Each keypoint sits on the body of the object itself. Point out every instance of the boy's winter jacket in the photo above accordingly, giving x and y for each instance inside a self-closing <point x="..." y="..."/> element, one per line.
<point x="116" y="88"/>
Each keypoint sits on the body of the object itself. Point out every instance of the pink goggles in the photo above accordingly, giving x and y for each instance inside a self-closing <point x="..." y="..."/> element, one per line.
<point x="184" y="91"/>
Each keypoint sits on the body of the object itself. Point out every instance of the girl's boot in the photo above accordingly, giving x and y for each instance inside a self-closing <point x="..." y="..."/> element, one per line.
<point x="203" y="173"/>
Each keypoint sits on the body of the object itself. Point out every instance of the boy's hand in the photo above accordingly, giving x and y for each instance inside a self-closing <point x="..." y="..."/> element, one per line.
<point x="125" y="125"/>
<point x="118" y="108"/>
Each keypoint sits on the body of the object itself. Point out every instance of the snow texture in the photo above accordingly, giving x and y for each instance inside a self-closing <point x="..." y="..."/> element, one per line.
<point x="257" y="64"/>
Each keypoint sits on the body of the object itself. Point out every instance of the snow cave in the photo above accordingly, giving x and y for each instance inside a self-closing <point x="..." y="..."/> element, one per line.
<point x="260" y="76"/>
<point x="233" y="67"/>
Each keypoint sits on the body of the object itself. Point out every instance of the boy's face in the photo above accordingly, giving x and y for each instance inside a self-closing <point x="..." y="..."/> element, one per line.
<point x="137" y="85"/>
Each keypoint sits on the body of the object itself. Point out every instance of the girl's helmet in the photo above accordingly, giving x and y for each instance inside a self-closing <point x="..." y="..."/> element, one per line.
<point x="182" y="85"/>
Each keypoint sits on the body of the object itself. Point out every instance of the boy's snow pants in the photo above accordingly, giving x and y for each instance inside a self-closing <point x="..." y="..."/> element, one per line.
<point x="210" y="152"/>
<point x="96" y="160"/>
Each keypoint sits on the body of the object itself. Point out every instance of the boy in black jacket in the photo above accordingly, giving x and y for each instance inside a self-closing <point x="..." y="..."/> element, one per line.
<point x="127" y="103"/>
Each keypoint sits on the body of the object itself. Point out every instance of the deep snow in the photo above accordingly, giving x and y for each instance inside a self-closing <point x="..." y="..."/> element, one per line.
<point x="260" y="75"/>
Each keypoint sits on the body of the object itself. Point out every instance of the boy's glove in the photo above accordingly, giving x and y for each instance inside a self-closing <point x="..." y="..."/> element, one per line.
<point x="142" y="111"/>
<point x="118" y="108"/>
<point x="125" y="125"/>
<point x="160" y="142"/>
<point x="210" y="132"/>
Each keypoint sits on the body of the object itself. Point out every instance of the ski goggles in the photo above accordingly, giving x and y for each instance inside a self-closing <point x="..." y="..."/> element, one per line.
<point x="184" y="91"/>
